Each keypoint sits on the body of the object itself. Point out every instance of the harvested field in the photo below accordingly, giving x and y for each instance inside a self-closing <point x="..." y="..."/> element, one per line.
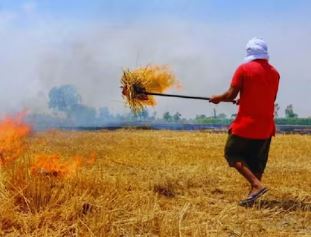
<point x="153" y="183"/>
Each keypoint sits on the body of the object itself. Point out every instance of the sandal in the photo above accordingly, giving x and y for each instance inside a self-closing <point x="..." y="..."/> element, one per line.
<point x="250" y="200"/>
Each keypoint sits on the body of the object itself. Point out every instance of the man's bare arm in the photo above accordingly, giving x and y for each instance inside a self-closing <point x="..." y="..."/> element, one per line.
<point x="228" y="96"/>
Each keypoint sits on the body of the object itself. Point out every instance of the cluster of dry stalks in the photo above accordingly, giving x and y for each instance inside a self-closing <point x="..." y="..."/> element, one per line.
<point x="145" y="79"/>
<point x="151" y="183"/>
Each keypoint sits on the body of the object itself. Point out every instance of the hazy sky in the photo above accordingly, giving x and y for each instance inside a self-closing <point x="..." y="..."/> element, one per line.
<point x="47" y="43"/>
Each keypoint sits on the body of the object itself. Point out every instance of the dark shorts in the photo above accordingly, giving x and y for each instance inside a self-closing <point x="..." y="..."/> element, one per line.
<point x="252" y="152"/>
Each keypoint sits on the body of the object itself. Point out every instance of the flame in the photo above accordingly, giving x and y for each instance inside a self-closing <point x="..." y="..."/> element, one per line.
<point x="150" y="79"/>
<point x="13" y="134"/>
<point x="90" y="161"/>
<point x="52" y="165"/>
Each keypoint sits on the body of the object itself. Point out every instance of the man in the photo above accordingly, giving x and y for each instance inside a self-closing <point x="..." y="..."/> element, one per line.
<point x="249" y="138"/>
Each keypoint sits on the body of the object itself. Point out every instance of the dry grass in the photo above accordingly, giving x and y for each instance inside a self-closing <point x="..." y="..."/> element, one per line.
<point x="152" y="183"/>
<point x="137" y="82"/>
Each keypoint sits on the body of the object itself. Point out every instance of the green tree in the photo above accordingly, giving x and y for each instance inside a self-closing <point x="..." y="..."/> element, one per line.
<point x="222" y="116"/>
<point x="289" y="112"/>
<point x="200" y="118"/>
<point x="64" y="98"/>
<point x="143" y="115"/>
<point x="276" y="110"/>
<point x="82" y="114"/>
<point x="177" y="117"/>
<point x="167" y="117"/>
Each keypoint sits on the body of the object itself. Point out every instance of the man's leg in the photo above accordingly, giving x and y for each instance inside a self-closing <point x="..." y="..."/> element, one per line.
<point x="258" y="176"/>
<point x="261" y="158"/>
<point x="255" y="183"/>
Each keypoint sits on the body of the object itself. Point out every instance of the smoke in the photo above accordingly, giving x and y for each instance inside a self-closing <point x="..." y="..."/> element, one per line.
<point x="93" y="62"/>
<point x="64" y="98"/>
<point x="44" y="53"/>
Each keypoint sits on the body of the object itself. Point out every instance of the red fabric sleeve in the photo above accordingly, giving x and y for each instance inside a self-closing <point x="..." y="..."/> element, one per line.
<point x="237" y="78"/>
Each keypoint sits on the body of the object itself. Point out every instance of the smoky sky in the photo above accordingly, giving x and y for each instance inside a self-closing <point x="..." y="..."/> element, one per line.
<point x="48" y="52"/>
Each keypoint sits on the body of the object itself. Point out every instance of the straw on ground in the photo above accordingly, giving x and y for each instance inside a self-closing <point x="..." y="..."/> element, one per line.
<point x="154" y="183"/>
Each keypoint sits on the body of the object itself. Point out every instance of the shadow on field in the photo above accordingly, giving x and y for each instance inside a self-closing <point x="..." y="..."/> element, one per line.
<point x="287" y="205"/>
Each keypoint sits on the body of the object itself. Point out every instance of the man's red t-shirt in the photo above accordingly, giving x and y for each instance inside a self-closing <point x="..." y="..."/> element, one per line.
<point x="258" y="82"/>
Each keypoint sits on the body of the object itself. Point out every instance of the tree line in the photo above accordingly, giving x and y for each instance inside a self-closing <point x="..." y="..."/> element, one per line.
<point x="68" y="109"/>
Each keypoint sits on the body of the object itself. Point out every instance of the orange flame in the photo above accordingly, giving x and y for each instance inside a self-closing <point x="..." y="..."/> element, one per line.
<point x="13" y="134"/>
<point x="51" y="165"/>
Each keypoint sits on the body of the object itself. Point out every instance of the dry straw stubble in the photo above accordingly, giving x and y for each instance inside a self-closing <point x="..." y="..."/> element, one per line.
<point x="151" y="78"/>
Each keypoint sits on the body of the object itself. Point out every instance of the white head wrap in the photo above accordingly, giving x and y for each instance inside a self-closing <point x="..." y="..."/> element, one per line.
<point x="256" y="48"/>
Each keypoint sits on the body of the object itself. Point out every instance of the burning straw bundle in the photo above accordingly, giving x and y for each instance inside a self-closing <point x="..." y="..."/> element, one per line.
<point x="138" y="84"/>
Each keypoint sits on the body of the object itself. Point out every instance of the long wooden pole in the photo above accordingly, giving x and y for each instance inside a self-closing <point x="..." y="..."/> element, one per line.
<point x="182" y="96"/>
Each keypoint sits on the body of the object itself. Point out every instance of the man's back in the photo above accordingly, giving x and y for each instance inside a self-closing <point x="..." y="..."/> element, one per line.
<point x="258" y="83"/>
<point x="249" y="139"/>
